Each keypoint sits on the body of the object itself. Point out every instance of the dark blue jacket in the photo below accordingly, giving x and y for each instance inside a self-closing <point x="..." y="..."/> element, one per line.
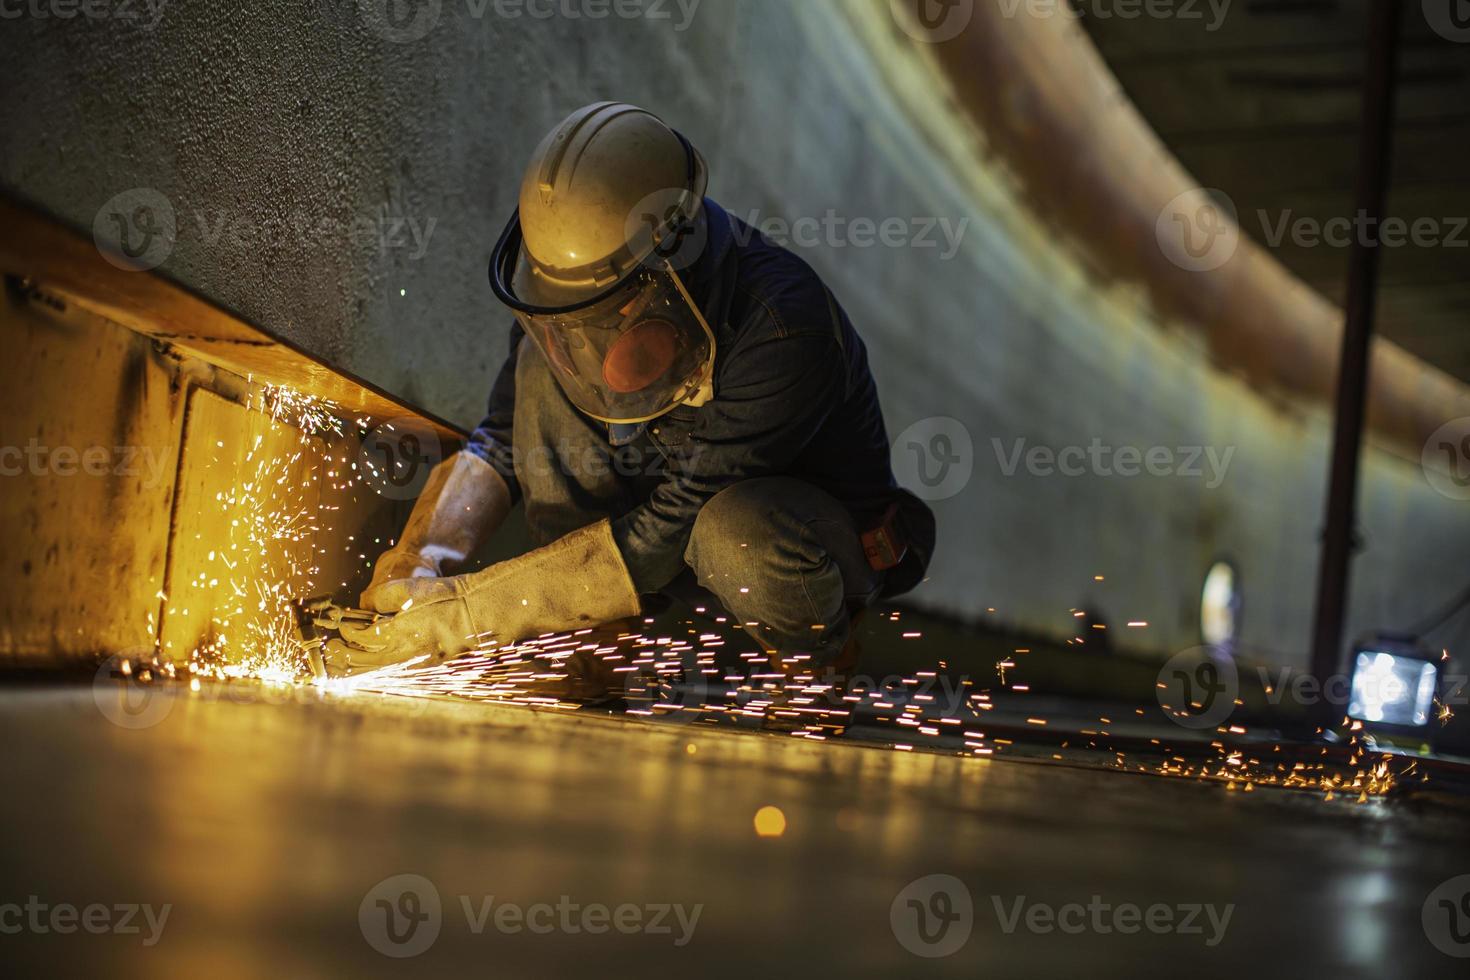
<point x="793" y="397"/>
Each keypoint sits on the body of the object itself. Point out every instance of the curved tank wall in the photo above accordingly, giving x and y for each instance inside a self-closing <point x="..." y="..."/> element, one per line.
<point x="339" y="176"/>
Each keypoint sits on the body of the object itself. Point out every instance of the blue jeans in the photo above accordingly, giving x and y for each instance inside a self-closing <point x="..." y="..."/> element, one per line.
<point x="776" y="552"/>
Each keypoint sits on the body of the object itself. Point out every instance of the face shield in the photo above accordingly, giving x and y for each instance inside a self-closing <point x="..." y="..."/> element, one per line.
<point x="629" y="354"/>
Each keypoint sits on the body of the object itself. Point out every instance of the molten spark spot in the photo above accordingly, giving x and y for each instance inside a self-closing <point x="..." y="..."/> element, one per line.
<point x="770" y="822"/>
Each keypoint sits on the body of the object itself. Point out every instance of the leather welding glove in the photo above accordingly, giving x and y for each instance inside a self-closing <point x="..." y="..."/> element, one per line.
<point x="576" y="582"/>
<point x="462" y="504"/>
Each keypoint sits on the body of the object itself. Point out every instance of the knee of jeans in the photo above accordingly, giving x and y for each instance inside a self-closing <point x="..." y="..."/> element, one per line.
<point x="734" y="537"/>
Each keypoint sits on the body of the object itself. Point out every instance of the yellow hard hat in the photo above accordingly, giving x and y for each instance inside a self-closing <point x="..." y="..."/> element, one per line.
<point x="609" y="206"/>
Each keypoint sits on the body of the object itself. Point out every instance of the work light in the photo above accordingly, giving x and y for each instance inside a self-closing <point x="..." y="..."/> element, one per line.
<point x="1394" y="684"/>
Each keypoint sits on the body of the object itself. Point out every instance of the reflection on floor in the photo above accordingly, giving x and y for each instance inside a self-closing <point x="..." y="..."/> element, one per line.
<point x="270" y="822"/>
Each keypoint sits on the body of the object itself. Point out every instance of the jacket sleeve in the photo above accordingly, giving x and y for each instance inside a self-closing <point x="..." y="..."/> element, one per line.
<point x="770" y="403"/>
<point x="492" y="439"/>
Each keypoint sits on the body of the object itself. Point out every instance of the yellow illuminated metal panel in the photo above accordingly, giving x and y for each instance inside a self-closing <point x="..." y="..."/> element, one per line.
<point x="89" y="423"/>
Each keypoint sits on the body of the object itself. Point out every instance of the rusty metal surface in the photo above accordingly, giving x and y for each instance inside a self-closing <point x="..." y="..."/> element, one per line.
<point x="150" y="500"/>
<point x="89" y="429"/>
<point x="1089" y="165"/>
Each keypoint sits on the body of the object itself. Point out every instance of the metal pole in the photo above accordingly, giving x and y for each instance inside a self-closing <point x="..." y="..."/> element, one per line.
<point x="1375" y="146"/>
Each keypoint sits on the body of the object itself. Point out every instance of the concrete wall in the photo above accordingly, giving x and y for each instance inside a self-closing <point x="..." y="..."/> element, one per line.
<point x="280" y="134"/>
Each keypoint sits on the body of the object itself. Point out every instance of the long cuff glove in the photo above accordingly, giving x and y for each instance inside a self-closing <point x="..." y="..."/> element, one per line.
<point x="462" y="504"/>
<point x="573" y="583"/>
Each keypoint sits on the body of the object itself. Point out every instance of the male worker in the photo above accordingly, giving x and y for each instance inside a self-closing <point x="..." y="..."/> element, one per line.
<point x="654" y="328"/>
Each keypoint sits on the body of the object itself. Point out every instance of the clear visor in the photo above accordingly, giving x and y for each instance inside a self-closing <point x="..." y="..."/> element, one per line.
<point x="632" y="356"/>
